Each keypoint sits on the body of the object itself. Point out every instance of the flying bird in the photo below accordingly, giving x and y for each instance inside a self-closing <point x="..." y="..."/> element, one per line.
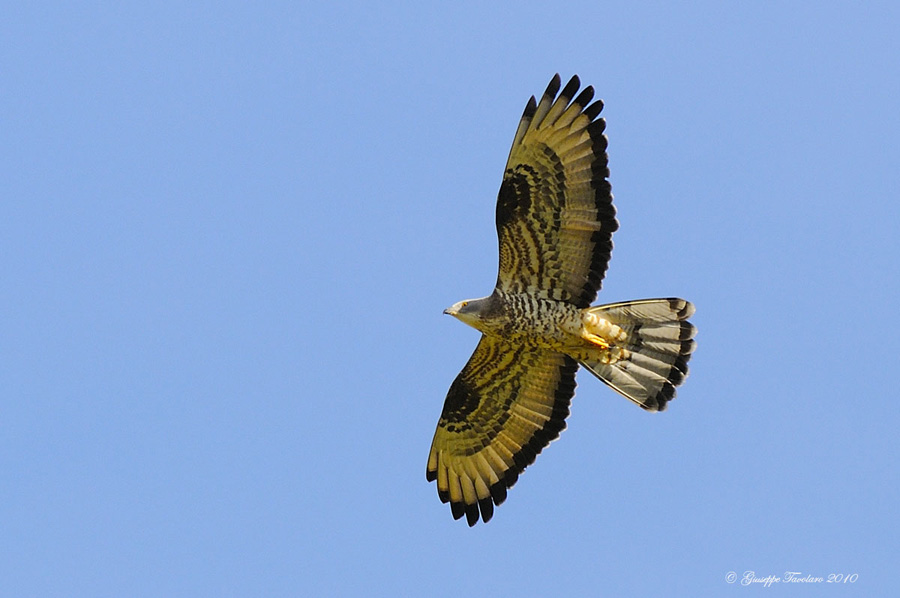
<point x="555" y="221"/>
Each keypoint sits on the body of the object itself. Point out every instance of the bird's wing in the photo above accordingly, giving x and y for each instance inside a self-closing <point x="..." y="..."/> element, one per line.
<point x="555" y="216"/>
<point x="507" y="404"/>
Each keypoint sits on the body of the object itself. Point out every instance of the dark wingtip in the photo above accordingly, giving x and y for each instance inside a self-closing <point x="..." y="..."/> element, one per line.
<point x="457" y="509"/>
<point x="586" y="95"/>
<point x="553" y="87"/>
<point x="430" y="475"/>
<point x="530" y="108"/>
<point x="472" y="514"/>
<point x="487" y="508"/>
<point x="498" y="492"/>
<point x="510" y="478"/>
<point x="571" y="87"/>
<point x="596" y="129"/>
<point x="594" y="109"/>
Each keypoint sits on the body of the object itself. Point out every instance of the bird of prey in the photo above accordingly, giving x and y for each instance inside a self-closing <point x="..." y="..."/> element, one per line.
<point x="555" y="221"/>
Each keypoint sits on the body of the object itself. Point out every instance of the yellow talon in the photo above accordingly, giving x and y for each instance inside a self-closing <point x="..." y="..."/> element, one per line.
<point x="603" y="344"/>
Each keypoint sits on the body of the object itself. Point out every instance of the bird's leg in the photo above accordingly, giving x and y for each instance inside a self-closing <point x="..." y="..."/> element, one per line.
<point x="593" y="338"/>
<point x="601" y="332"/>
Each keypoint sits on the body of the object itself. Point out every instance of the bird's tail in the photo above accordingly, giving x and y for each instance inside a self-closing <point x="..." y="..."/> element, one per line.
<point x="650" y="342"/>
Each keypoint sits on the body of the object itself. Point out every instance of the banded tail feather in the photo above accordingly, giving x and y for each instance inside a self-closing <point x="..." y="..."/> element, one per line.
<point x="658" y="346"/>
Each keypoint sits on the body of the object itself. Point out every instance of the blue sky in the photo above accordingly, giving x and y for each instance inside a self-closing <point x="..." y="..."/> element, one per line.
<point x="228" y="232"/>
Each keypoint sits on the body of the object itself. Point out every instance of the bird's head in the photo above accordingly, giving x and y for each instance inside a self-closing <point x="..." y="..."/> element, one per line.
<point x="470" y="311"/>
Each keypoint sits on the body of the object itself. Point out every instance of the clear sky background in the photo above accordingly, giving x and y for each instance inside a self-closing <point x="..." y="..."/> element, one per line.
<point x="228" y="231"/>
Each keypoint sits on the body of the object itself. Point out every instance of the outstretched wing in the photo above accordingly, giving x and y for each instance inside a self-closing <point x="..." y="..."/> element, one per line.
<point x="505" y="406"/>
<point x="555" y="216"/>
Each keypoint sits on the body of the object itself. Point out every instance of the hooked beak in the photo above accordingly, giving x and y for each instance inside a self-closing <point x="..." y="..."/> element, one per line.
<point x="450" y="311"/>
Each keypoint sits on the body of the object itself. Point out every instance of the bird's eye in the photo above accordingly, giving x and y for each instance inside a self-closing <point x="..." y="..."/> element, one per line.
<point x="465" y="303"/>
